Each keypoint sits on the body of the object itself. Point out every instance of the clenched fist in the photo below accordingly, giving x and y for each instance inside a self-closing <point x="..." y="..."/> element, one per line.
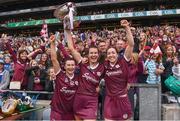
<point x="124" y="23"/>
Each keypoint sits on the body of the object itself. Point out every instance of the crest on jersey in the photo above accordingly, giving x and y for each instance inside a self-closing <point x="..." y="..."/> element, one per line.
<point x="76" y="82"/>
<point x="72" y="83"/>
<point x="117" y="66"/>
<point x="125" y="116"/>
<point x="99" y="73"/>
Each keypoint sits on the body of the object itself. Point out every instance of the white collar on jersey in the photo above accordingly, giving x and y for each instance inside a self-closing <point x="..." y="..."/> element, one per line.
<point x="70" y="77"/>
<point x="93" y="67"/>
<point x="112" y="65"/>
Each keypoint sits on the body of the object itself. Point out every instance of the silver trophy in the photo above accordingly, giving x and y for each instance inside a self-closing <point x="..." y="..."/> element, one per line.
<point x="66" y="12"/>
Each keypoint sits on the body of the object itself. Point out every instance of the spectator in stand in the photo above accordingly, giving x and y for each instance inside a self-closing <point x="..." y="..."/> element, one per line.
<point x="20" y="64"/>
<point x="136" y="68"/>
<point x="176" y="67"/>
<point x="177" y="40"/>
<point x="120" y="46"/>
<point x="80" y="47"/>
<point x="44" y="62"/>
<point x="102" y="50"/>
<point x="29" y="47"/>
<point x="102" y="47"/>
<point x="36" y="77"/>
<point x="4" y="76"/>
<point x="144" y="55"/>
<point x="50" y="82"/>
<point x="154" y="67"/>
<point x="167" y="63"/>
<point x="8" y="63"/>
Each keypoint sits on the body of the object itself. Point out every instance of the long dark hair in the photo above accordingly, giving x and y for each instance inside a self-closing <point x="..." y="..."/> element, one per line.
<point x="20" y="52"/>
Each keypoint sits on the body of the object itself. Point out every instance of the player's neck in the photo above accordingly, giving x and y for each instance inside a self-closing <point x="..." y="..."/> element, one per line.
<point x="70" y="75"/>
<point x="93" y="65"/>
<point x="113" y="63"/>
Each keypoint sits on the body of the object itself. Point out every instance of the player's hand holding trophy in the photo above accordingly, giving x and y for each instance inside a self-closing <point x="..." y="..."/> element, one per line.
<point x="66" y="12"/>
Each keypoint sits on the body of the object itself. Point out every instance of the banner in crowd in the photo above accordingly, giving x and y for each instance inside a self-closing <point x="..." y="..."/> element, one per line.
<point x="100" y="17"/>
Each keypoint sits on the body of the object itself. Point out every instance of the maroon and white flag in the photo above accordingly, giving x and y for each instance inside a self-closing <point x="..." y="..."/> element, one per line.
<point x="155" y="49"/>
<point x="44" y="31"/>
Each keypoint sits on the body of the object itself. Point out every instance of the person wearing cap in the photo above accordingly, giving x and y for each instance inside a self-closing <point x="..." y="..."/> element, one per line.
<point x="4" y="76"/>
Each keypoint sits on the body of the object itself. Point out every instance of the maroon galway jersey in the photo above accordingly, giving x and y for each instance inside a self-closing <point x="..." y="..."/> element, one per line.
<point x="116" y="77"/>
<point x="89" y="79"/>
<point x="65" y="89"/>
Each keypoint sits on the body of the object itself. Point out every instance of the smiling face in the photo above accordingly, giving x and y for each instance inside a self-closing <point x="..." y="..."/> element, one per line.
<point x="112" y="55"/>
<point x="70" y="67"/>
<point x="7" y="59"/>
<point x="23" y="55"/>
<point x="52" y="73"/>
<point x="120" y="44"/>
<point x="169" y="51"/>
<point x="93" y="55"/>
<point x="102" y="46"/>
<point x="44" y="57"/>
<point x="142" y="36"/>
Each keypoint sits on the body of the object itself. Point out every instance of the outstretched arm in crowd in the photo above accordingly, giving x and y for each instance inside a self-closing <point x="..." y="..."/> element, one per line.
<point x="33" y="54"/>
<point x="54" y="60"/>
<point x="8" y="46"/>
<point x="130" y="39"/>
<point x="76" y="55"/>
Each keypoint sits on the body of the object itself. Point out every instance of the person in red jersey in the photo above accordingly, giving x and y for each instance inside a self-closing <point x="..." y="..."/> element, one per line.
<point x="21" y="62"/>
<point x="66" y="84"/>
<point x="86" y="98"/>
<point x="117" y="105"/>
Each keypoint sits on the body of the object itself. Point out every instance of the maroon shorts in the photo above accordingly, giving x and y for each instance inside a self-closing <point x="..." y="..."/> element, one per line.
<point x="117" y="108"/>
<point x="85" y="107"/>
<point x="58" y="116"/>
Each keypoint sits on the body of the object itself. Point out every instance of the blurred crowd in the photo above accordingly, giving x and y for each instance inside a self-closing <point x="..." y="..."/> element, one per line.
<point x="125" y="9"/>
<point x="94" y="11"/>
<point x="27" y="60"/>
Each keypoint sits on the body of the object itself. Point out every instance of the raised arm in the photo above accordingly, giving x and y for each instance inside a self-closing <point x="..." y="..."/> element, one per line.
<point x="33" y="54"/>
<point x="13" y="54"/>
<point x="54" y="60"/>
<point x="62" y="49"/>
<point x="76" y="55"/>
<point x="130" y="39"/>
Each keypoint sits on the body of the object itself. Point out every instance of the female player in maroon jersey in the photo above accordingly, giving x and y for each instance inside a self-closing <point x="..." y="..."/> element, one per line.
<point x="117" y="105"/>
<point x="86" y="99"/>
<point x="66" y="84"/>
